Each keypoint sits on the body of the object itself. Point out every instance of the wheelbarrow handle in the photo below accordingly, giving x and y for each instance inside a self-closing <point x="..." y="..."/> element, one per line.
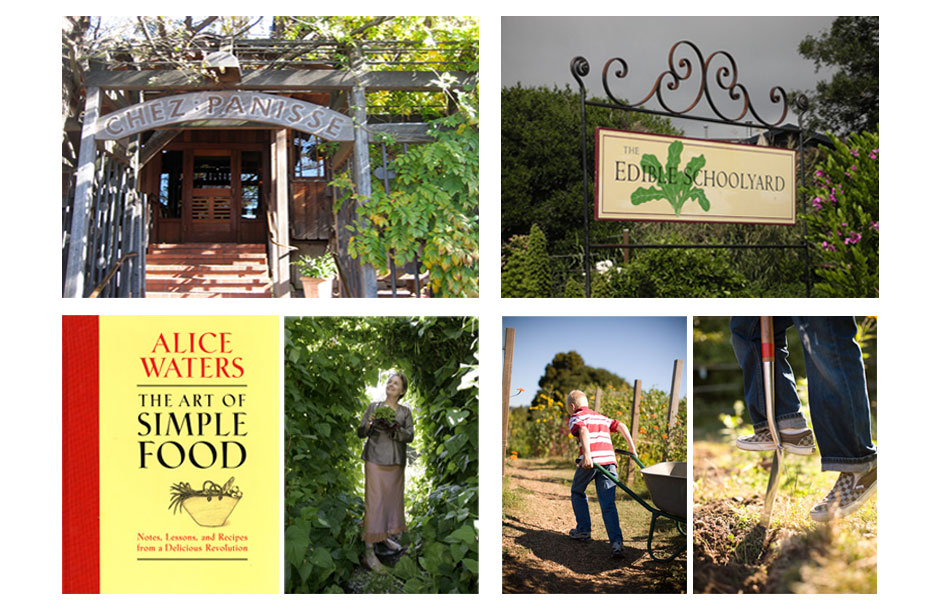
<point x="621" y="451"/>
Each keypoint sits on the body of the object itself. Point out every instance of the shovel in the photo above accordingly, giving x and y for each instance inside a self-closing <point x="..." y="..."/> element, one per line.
<point x="767" y="362"/>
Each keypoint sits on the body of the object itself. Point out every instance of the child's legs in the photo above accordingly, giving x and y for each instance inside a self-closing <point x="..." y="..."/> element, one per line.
<point x="838" y="395"/>
<point x="579" y="500"/>
<point x="745" y="339"/>
<point x="606" y="494"/>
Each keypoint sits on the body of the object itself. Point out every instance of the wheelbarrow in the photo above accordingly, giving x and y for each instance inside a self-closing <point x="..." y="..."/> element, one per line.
<point x="666" y="484"/>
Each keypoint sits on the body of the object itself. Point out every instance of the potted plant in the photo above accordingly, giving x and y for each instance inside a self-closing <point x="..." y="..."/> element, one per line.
<point x="317" y="274"/>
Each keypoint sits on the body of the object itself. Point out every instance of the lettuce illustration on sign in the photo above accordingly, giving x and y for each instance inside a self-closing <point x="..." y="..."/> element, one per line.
<point x="675" y="187"/>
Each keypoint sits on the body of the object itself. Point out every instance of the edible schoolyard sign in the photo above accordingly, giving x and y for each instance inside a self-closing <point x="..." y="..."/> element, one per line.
<point x="647" y="177"/>
<point x="226" y="105"/>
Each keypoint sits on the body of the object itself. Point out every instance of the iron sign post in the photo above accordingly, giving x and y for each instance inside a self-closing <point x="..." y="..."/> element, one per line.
<point x="678" y="71"/>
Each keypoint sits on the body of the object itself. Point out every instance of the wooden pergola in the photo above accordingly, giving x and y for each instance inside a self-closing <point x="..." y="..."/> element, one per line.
<point x="115" y="87"/>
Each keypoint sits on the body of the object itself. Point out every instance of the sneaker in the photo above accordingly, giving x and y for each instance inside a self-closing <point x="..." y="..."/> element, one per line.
<point x="574" y="534"/>
<point x="800" y="443"/>
<point x="616" y="550"/>
<point x="851" y="490"/>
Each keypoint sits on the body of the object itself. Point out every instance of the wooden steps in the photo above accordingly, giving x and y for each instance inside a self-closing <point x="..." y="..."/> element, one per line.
<point x="208" y="270"/>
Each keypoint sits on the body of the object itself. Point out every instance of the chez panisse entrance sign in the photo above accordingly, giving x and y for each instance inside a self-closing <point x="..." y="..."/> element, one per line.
<point x="647" y="177"/>
<point x="226" y="105"/>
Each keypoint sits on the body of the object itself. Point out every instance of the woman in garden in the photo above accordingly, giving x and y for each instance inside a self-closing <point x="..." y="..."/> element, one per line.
<point x="388" y="428"/>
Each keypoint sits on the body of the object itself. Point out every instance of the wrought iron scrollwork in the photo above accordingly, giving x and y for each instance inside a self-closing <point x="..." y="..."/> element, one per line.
<point x="681" y="67"/>
<point x="579" y="68"/>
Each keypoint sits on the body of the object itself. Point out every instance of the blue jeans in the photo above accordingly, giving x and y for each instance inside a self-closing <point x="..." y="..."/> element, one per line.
<point x="835" y="373"/>
<point x="605" y="496"/>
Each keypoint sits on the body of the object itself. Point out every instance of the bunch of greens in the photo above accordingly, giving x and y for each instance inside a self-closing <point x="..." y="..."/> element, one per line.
<point x="384" y="415"/>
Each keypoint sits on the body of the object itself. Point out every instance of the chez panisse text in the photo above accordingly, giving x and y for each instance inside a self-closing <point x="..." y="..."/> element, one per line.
<point x="197" y="427"/>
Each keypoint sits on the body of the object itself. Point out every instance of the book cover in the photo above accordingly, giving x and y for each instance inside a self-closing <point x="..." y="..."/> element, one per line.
<point x="170" y="454"/>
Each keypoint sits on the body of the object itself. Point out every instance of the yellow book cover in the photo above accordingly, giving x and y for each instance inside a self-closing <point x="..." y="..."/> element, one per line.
<point x="187" y="453"/>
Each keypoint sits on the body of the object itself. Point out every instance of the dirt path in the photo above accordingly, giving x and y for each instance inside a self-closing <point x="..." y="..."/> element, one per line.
<point x="539" y="557"/>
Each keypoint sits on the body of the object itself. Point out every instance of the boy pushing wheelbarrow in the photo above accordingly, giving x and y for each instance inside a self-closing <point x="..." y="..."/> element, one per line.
<point x="592" y="431"/>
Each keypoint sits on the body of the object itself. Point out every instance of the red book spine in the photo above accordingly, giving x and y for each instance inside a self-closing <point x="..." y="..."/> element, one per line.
<point x="80" y="534"/>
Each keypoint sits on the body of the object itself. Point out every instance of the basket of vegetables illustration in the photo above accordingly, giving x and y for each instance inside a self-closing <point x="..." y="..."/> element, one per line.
<point x="209" y="507"/>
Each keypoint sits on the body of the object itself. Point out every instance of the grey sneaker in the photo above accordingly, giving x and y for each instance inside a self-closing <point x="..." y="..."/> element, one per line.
<point x="574" y="534"/>
<point x="847" y="495"/>
<point x="616" y="550"/>
<point x="800" y="443"/>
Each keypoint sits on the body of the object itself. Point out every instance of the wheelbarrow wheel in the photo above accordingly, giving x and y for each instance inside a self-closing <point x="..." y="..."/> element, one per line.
<point x="649" y="541"/>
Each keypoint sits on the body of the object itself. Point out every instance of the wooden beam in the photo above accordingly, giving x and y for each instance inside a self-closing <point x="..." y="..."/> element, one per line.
<point x="507" y="386"/>
<point x="363" y="171"/>
<point x="274" y="80"/>
<point x="634" y="422"/>
<point x="155" y="144"/>
<point x="402" y="132"/>
<point x="673" y="404"/>
<point x="81" y="205"/>
<point x="282" y="249"/>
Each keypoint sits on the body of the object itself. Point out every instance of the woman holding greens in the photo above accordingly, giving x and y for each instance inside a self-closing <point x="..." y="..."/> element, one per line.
<point x="388" y="428"/>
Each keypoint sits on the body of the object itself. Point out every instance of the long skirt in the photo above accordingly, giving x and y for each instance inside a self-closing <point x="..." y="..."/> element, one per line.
<point x="385" y="502"/>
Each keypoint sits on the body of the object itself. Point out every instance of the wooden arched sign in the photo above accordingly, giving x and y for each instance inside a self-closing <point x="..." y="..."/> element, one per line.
<point x="249" y="106"/>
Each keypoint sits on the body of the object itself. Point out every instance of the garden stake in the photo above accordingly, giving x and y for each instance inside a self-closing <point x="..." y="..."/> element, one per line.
<point x="767" y="361"/>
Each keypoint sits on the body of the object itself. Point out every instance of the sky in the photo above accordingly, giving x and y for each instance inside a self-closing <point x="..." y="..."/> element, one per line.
<point x="538" y="50"/>
<point x="643" y="348"/>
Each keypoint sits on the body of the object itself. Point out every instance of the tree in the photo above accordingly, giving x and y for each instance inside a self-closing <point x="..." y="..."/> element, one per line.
<point x="541" y="162"/>
<point x="849" y="101"/>
<point x="567" y="371"/>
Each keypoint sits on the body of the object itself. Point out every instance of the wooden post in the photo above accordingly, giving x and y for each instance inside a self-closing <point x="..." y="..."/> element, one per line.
<point x="281" y="230"/>
<point x="626" y="242"/>
<point x="597" y="399"/>
<point x="673" y="403"/>
<point x="507" y="386"/>
<point x="84" y="191"/>
<point x="363" y="172"/>
<point x="634" y="423"/>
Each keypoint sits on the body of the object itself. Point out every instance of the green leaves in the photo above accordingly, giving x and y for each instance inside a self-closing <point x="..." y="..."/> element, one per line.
<point x="842" y="217"/>
<point x="674" y="187"/>
<point x="329" y="362"/>
<point x="430" y="210"/>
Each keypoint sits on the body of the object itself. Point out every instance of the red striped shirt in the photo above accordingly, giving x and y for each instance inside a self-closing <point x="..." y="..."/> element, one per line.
<point x="599" y="428"/>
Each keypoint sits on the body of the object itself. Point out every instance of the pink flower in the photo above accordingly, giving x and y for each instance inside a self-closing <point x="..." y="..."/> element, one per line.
<point x="817" y="203"/>
<point x="828" y="247"/>
<point x="854" y="238"/>
<point x="873" y="154"/>
<point x="874" y="225"/>
<point x="854" y="152"/>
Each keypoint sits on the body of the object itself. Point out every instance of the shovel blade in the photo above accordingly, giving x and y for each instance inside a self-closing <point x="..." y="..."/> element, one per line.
<point x="772" y="485"/>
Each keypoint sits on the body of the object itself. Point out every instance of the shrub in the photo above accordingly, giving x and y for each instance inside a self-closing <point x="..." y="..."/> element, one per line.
<point x="526" y="267"/>
<point x="672" y="273"/>
<point x="842" y="219"/>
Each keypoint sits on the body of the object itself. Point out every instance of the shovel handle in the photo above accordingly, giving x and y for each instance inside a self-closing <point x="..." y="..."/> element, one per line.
<point x="621" y="451"/>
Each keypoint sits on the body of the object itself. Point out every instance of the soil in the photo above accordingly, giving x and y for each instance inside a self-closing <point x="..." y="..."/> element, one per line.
<point x="733" y="556"/>
<point x="539" y="557"/>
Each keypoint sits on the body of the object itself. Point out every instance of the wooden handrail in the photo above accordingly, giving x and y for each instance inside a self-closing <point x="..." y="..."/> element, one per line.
<point x="107" y="279"/>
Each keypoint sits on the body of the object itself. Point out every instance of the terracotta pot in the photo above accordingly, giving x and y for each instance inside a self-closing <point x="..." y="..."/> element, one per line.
<point x="317" y="287"/>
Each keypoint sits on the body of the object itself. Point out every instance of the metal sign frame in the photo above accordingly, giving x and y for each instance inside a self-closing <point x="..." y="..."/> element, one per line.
<point x="679" y="70"/>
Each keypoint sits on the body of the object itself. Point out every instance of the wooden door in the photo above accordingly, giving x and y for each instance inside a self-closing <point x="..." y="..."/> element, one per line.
<point x="210" y="205"/>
